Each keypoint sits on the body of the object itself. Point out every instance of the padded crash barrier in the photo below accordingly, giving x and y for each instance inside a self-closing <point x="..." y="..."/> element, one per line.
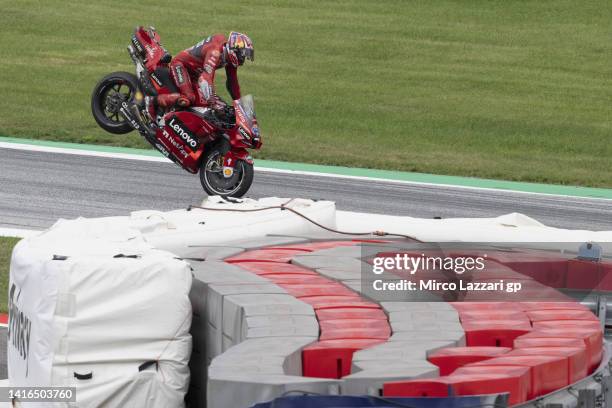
<point x="501" y="339"/>
<point x="275" y="307"/>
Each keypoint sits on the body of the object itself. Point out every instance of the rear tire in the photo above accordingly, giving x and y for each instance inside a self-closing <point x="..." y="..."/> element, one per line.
<point x="213" y="181"/>
<point x="106" y="100"/>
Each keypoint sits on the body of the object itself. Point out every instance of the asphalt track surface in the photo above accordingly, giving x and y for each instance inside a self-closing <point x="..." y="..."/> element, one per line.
<point x="37" y="188"/>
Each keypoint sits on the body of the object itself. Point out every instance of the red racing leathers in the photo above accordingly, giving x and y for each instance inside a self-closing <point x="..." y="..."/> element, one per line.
<point x="197" y="65"/>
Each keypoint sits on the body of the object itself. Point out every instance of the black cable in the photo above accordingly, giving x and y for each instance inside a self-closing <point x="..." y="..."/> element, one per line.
<point x="283" y="207"/>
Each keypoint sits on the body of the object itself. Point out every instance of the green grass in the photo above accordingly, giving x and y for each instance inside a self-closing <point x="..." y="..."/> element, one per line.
<point x="6" y="248"/>
<point x="516" y="90"/>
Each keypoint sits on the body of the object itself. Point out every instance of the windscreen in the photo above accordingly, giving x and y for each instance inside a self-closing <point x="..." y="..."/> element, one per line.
<point x="248" y="107"/>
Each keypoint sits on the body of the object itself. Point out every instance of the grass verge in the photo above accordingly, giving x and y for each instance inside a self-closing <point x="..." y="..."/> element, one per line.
<point x="6" y="248"/>
<point x="494" y="89"/>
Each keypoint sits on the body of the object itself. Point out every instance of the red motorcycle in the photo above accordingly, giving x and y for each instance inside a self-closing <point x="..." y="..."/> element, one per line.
<point x="197" y="139"/>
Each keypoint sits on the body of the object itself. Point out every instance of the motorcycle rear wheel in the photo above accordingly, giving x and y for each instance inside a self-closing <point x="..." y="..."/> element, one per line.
<point x="213" y="181"/>
<point x="106" y="100"/>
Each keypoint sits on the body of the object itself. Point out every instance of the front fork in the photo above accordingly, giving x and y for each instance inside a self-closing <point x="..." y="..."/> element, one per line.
<point x="232" y="157"/>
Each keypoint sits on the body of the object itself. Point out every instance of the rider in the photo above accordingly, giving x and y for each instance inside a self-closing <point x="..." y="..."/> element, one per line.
<point x="199" y="63"/>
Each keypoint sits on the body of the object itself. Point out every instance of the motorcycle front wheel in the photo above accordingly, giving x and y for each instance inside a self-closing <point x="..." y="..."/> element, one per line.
<point x="215" y="183"/>
<point x="106" y="100"/>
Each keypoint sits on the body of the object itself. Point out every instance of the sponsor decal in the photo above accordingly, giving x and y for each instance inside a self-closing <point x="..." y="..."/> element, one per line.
<point x="19" y="327"/>
<point x="155" y="78"/>
<point x="180" y="129"/>
<point x="176" y="144"/>
<point x="137" y="45"/>
<point x="240" y="113"/>
<point x="126" y="113"/>
<point x="150" y="50"/>
<point x="162" y="149"/>
<point x="180" y="76"/>
<point x="244" y="133"/>
<point x="208" y="68"/>
<point x="205" y="89"/>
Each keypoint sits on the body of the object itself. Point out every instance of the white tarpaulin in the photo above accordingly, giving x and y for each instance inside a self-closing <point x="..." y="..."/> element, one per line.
<point x="94" y="307"/>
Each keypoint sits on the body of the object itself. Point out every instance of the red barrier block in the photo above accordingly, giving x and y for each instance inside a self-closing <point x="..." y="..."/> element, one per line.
<point x="583" y="274"/>
<point x="330" y="288"/>
<point x="269" y="268"/>
<point x="499" y="314"/>
<point x="555" y="324"/>
<point x="474" y="306"/>
<point x="354" y="329"/>
<point x="332" y="358"/>
<point x="592" y="338"/>
<point x="365" y="333"/>
<point x="328" y="302"/>
<point x="605" y="282"/>
<point x="350" y="313"/>
<point x="527" y="342"/>
<point x="463" y="384"/>
<point x="494" y="270"/>
<point x="548" y="373"/>
<point x="435" y="387"/>
<point x="551" y="272"/>
<point x="587" y="275"/>
<point x="266" y="255"/>
<point x="341" y="324"/>
<point x="494" y="333"/>
<point x="523" y="375"/>
<point x="451" y="358"/>
<point x="570" y="304"/>
<point x="560" y="314"/>
<point x="288" y="279"/>
<point x="578" y="362"/>
<point x="530" y="291"/>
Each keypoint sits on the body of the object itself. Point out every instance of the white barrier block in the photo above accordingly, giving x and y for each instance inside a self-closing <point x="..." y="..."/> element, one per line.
<point x="279" y="326"/>
<point x="340" y="274"/>
<point x="282" y="331"/>
<point x="221" y="272"/>
<point x="286" y="351"/>
<point x="422" y="319"/>
<point x="231" y="359"/>
<point x="404" y="350"/>
<point x="216" y="292"/>
<point x="416" y="306"/>
<point x="236" y="308"/>
<point x="453" y="338"/>
<point x="377" y="365"/>
<point x="370" y="382"/>
<point x="254" y="370"/>
<point x="243" y="391"/>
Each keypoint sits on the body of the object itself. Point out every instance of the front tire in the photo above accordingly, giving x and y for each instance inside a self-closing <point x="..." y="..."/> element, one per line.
<point x="106" y="100"/>
<point x="213" y="181"/>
